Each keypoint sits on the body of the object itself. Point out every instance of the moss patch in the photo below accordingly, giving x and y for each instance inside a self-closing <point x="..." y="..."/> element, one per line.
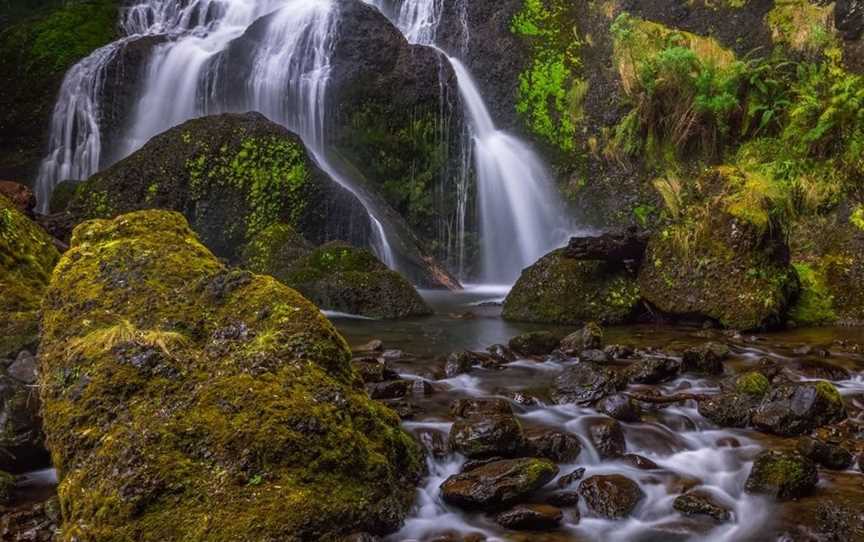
<point x="224" y="402"/>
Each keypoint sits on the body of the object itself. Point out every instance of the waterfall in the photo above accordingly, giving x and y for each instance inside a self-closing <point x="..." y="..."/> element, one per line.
<point x="288" y="76"/>
<point x="520" y="217"/>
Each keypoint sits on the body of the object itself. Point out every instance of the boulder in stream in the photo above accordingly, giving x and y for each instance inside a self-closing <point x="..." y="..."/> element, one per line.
<point x="498" y="435"/>
<point x="611" y="496"/>
<point x="798" y="408"/>
<point x="585" y="383"/>
<point x="728" y="409"/>
<point x="196" y="401"/>
<point x="498" y="483"/>
<point x="558" y="446"/>
<point x="607" y="437"/>
<point x="827" y="454"/>
<point x="706" y="358"/>
<point x="535" y="343"/>
<point x="782" y="475"/>
<point x="695" y="503"/>
<point x="530" y="517"/>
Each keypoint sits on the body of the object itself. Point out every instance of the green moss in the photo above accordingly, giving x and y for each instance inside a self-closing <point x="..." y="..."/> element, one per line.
<point x="274" y="250"/>
<point x="225" y="399"/>
<point x="551" y="90"/>
<point x="829" y="392"/>
<point x="7" y="487"/>
<point x="752" y="383"/>
<point x="801" y="25"/>
<point x="815" y="303"/>
<point x="857" y="217"/>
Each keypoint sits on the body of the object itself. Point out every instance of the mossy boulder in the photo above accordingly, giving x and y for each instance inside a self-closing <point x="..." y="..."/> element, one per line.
<point x="339" y="277"/>
<point x="798" y="408"/>
<point x="728" y="262"/>
<point x="782" y="475"/>
<point x="232" y="176"/>
<point x="561" y="290"/>
<point x="274" y="250"/>
<point x="27" y="256"/>
<point x="183" y="400"/>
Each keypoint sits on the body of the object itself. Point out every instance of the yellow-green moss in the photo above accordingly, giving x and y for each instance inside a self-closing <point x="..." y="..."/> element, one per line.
<point x="752" y="383"/>
<point x="815" y="302"/>
<point x="187" y="401"/>
<point x="801" y="25"/>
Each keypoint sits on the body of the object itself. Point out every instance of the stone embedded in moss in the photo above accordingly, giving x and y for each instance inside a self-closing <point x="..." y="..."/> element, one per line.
<point x="27" y="256"/>
<point x="560" y="290"/>
<point x="343" y="278"/>
<point x="187" y="401"/>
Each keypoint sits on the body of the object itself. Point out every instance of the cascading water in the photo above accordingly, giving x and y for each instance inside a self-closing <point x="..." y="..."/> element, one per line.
<point x="520" y="217"/>
<point x="288" y="77"/>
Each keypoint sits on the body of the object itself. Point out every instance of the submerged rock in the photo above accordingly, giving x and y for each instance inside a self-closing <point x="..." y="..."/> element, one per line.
<point x="27" y="256"/>
<point x="561" y="290"/>
<point x="586" y="383"/>
<point x="530" y="517"/>
<point x="782" y="475"/>
<point x="611" y="496"/>
<point x="467" y="408"/>
<point x="798" y="408"/>
<point x="498" y="482"/>
<point x="197" y="401"/>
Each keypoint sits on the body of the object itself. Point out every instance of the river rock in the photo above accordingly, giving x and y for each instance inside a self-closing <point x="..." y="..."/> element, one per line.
<point x="502" y="353"/>
<point x="595" y="355"/>
<point x="621" y="407"/>
<point x="571" y="477"/>
<point x="695" y="503"/>
<point x="565" y="499"/>
<point x="36" y="522"/>
<point x="22" y="443"/>
<point x="458" y="363"/>
<point x="849" y="18"/>
<point x="484" y="436"/>
<point x="535" y="343"/>
<point x="7" y="487"/>
<point x="586" y="383"/>
<point x="823" y="370"/>
<point x="468" y="408"/>
<point x="611" y="496"/>
<point x="434" y="441"/>
<point x="607" y="437"/>
<point x="530" y="517"/>
<point x="798" y="408"/>
<point x="243" y="373"/>
<point x="728" y="409"/>
<point x="639" y="462"/>
<point x="753" y="384"/>
<point x="590" y="337"/>
<point x="653" y="370"/>
<point x="390" y="389"/>
<point x="562" y="290"/>
<point x="498" y="483"/>
<point x="782" y="475"/>
<point x="552" y="444"/>
<point x="373" y="370"/>
<point x="707" y="358"/>
<point x="826" y="454"/>
<point x="28" y="256"/>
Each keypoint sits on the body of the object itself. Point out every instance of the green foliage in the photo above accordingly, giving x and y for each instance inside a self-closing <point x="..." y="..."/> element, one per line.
<point x="550" y="91"/>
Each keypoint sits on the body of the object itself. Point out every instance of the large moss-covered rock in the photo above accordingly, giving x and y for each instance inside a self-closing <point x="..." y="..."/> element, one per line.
<point x="27" y="256"/>
<point x="232" y="176"/>
<point x="186" y="401"/>
<point x="343" y="278"/>
<point x="561" y="290"/>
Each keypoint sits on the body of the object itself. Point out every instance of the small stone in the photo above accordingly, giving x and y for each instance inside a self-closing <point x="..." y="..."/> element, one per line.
<point x="653" y="370"/>
<point x="23" y="369"/>
<point x="564" y="499"/>
<point x="497" y="435"/>
<point x="392" y="389"/>
<point x="498" y="483"/>
<point x="824" y="453"/>
<point x="535" y="343"/>
<point x="619" y="351"/>
<point x="552" y="444"/>
<point x="467" y="408"/>
<point x="611" y="496"/>
<point x="782" y="475"/>
<point x="502" y="353"/>
<point x="374" y="345"/>
<point x="571" y="478"/>
<point x="590" y="337"/>
<point x="621" y="407"/>
<point x="392" y="354"/>
<point x="421" y="388"/>
<point x="607" y="437"/>
<point x="594" y="356"/>
<point x="640" y="462"/>
<point x="706" y="358"/>
<point x="530" y="517"/>
<point x="727" y="409"/>
<point x="692" y="504"/>
<point x="458" y="363"/>
<point x="586" y="383"/>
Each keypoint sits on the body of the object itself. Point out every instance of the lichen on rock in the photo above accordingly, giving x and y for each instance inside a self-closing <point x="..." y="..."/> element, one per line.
<point x="187" y="401"/>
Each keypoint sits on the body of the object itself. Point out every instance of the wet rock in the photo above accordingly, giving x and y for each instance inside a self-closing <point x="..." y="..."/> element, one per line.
<point x="523" y="398"/>
<point x="826" y="454"/>
<point x="498" y="483"/>
<point x="653" y="370"/>
<point x="590" y="337"/>
<point x="472" y="464"/>
<point x="421" y="387"/>
<point x="611" y="496"/>
<point x="621" y="407"/>
<point x="374" y="345"/>
<point x="564" y="499"/>
<point x="405" y="409"/>
<point x="23" y="369"/>
<point x="392" y="354"/>
<point x="727" y="409"/>
<point x="571" y="477"/>
<point x="361" y="537"/>
<point x="485" y="436"/>
<point x="535" y="343"/>
<point x="640" y="462"/>
<point x="707" y="358"/>
<point x="594" y="356"/>
<point x="458" y="363"/>
<point x="552" y="444"/>
<point x="693" y="504"/>
<point x="849" y="18"/>
<point x="33" y="523"/>
<point x="823" y="370"/>
<point x="530" y="517"/>
<point x="753" y="384"/>
<point x="7" y="486"/>
<point x="607" y="437"/>
<point x="391" y="389"/>
<point x="502" y="353"/>
<point x="586" y="383"/>
<point x="22" y="443"/>
<point x="812" y="350"/>
<point x="782" y="475"/>
<point x="467" y="408"/>
<point x="434" y="441"/>
<point x="797" y="408"/>
<point x="619" y="351"/>
<point x="373" y="370"/>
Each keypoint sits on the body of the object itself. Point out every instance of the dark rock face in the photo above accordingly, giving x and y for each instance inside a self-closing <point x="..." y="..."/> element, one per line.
<point x="849" y="18"/>
<point x="782" y="475"/>
<point x="487" y="436"/>
<point x="611" y="496"/>
<point x="37" y="523"/>
<point x="562" y="290"/>
<point x="694" y="503"/>
<point x="613" y="247"/>
<point x="728" y="409"/>
<point x="552" y="444"/>
<point x="795" y="409"/>
<point x="530" y="517"/>
<point x="586" y="383"/>
<point x="571" y="478"/>
<point x="826" y="454"/>
<point x="707" y="358"/>
<point x="22" y="443"/>
<point x="621" y="407"/>
<point x="607" y="437"/>
<point x="458" y="363"/>
<point x="467" y="408"/>
<point x="653" y="370"/>
<point x="497" y="483"/>
<point x="535" y="343"/>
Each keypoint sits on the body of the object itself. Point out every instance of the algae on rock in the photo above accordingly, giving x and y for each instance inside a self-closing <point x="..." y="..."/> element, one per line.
<point x="187" y="401"/>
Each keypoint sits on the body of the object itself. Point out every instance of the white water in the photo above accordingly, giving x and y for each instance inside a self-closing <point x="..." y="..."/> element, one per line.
<point x="519" y="214"/>
<point x="288" y="80"/>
